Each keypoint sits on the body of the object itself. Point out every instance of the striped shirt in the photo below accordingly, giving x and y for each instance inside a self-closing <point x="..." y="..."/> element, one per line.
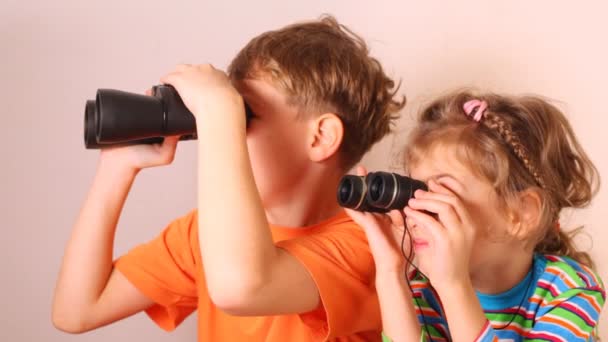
<point x="562" y="300"/>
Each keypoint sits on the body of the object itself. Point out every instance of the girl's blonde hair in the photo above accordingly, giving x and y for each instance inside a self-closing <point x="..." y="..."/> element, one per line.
<point x="520" y="143"/>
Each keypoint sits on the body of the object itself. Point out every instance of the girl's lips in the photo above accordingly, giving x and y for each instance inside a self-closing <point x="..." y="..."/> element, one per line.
<point x="419" y="243"/>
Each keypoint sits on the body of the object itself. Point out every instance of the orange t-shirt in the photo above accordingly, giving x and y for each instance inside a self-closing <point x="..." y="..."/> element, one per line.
<point x="169" y="270"/>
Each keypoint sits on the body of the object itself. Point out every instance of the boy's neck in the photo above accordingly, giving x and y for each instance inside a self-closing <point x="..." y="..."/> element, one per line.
<point x="308" y="202"/>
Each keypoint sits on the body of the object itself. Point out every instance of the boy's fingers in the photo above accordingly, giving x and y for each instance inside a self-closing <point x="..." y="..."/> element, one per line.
<point x="148" y="92"/>
<point x="170" y="78"/>
<point x="169" y="144"/>
<point x="183" y="66"/>
<point x="172" y="139"/>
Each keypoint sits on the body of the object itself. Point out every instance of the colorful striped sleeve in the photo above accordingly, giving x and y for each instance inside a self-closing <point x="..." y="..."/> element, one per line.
<point x="570" y="317"/>
<point x="487" y="334"/>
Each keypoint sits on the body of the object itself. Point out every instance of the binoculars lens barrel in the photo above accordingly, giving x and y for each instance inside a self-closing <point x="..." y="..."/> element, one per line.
<point x="117" y="118"/>
<point x="377" y="192"/>
<point x="351" y="193"/>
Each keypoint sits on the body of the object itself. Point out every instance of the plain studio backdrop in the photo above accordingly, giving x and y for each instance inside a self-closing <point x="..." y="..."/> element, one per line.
<point x="55" y="54"/>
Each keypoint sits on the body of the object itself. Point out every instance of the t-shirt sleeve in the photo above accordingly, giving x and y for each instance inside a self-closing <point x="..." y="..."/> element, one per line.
<point x="163" y="270"/>
<point x="572" y="316"/>
<point x="342" y="267"/>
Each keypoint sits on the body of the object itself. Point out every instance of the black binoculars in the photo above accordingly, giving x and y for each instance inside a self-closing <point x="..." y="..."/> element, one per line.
<point x="378" y="192"/>
<point x="117" y="117"/>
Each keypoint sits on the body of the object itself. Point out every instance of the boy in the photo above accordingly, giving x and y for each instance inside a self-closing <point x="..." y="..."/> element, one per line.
<point x="320" y="102"/>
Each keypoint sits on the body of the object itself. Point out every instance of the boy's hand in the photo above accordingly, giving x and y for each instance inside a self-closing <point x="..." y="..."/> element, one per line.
<point x="137" y="157"/>
<point x="384" y="234"/>
<point x="206" y="91"/>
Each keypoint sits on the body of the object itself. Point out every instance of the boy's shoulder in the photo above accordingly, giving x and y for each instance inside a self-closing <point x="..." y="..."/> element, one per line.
<point x="187" y="225"/>
<point x="336" y="225"/>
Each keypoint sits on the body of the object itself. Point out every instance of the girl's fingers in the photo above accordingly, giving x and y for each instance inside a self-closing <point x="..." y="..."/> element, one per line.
<point x="396" y="218"/>
<point x="445" y="212"/>
<point x="368" y="220"/>
<point x="446" y="188"/>
<point x="424" y="221"/>
<point x="363" y="219"/>
<point x="374" y="225"/>
<point x="361" y="171"/>
<point x="443" y="195"/>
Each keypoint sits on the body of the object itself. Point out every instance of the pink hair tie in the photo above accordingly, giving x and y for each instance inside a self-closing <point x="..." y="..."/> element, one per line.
<point x="475" y="107"/>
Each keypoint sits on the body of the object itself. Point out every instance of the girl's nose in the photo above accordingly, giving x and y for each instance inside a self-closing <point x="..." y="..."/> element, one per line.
<point x="410" y="223"/>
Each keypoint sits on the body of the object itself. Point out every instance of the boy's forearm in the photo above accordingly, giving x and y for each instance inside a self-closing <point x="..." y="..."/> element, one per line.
<point x="235" y="238"/>
<point x="87" y="262"/>
<point x="399" y="320"/>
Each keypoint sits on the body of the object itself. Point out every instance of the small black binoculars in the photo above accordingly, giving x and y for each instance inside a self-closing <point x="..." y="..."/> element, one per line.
<point x="121" y="118"/>
<point x="378" y="192"/>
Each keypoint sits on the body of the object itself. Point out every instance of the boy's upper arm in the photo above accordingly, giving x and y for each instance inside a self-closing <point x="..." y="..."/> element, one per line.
<point x="340" y="264"/>
<point x="120" y="299"/>
<point x="163" y="270"/>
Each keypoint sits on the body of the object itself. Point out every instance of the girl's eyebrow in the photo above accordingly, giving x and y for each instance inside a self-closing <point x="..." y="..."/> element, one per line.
<point x="444" y="175"/>
<point x="439" y="175"/>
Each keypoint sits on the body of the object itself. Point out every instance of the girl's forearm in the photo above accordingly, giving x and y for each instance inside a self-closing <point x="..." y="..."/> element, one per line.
<point x="465" y="315"/>
<point x="399" y="320"/>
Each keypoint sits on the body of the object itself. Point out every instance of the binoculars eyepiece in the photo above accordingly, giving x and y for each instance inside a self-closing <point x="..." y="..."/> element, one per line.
<point x="120" y="118"/>
<point x="378" y="192"/>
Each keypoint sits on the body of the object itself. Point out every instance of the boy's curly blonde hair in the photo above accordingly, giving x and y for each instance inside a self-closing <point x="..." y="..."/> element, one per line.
<point x="323" y="67"/>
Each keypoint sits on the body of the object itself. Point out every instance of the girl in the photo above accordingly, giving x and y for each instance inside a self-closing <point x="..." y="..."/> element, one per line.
<point x="492" y="261"/>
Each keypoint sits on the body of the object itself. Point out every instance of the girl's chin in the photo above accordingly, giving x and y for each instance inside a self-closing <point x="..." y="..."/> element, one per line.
<point x="420" y="262"/>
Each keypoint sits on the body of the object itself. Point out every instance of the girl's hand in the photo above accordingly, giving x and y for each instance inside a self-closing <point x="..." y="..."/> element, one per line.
<point x="443" y="244"/>
<point x="384" y="234"/>
<point x="206" y="91"/>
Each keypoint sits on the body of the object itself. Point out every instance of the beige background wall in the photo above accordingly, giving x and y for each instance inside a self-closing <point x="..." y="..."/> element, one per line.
<point x="55" y="54"/>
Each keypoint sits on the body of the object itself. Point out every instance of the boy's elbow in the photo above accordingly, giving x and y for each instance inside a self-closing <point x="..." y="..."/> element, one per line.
<point x="238" y="298"/>
<point x="67" y="324"/>
<point x="69" y="321"/>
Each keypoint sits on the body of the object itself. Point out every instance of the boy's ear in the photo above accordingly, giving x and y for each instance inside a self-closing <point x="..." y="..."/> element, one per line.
<point x="529" y="213"/>
<point x="326" y="134"/>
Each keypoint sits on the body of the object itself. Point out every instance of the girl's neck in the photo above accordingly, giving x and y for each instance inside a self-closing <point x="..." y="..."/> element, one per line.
<point x="497" y="275"/>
